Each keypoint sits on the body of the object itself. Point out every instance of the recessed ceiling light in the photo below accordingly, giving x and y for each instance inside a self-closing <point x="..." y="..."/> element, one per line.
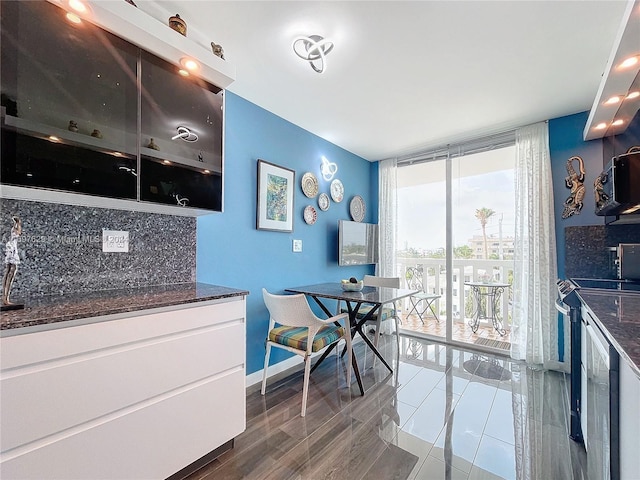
<point x="617" y="123"/>
<point x="613" y="100"/>
<point x="629" y="62"/>
<point x="166" y="162"/>
<point x="73" y="18"/>
<point x="190" y="64"/>
<point x="206" y="171"/>
<point x="53" y="138"/>
<point x="78" y="6"/>
<point x="633" y="95"/>
<point x="600" y="126"/>
<point x="183" y="72"/>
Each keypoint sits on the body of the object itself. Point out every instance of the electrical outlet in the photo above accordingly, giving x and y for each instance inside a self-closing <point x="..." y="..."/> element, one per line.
<point x="115" y="241"/>
<point x="297" y="245"/>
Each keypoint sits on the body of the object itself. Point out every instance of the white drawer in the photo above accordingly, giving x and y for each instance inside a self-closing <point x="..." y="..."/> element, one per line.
<point x="152" y="442"/>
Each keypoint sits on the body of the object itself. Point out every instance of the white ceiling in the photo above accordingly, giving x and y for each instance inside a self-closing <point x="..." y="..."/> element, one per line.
<point x="405" y="76"/>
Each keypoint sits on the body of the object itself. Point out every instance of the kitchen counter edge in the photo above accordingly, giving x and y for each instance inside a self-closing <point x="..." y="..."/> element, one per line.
<point x="61" y="311"/>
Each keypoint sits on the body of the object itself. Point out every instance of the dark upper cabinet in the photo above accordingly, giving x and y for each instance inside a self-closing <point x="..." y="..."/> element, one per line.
<point x="80" y="107"/>
<point x="181" y="118"/>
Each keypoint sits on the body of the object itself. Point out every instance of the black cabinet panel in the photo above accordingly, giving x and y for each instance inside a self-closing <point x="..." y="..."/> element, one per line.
<point x="178" y="185"/>
<point x="73" y="100"/>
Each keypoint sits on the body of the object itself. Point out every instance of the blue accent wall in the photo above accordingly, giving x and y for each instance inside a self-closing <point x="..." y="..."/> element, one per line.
<point x="232" y="252"/>
<point x="565" y="141"/>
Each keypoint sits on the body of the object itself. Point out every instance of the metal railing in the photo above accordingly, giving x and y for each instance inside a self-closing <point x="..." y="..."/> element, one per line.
<point x="464" y="270"/>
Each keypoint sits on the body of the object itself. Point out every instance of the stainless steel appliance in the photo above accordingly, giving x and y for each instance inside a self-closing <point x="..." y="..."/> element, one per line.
<point x="569" y="304"/>
<point x="616" y="188"/>
<point x="629" y="260"/>
<point x="595" y="374"/>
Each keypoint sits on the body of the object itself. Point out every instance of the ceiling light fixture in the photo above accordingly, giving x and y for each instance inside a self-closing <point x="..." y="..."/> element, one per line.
<point x="313" y="49"/>
<point x="632" y="95"/>
<point x="329" y="169"/>
<point x="78" y="6"/>
<point x="629" y="62"/>
<point x="617" y="123"/>
<point x="190" y="64"/>
<point x="185" y="134"/>
<point x="183" y="72"/>
<point x="600" y="126"/>
<point x="613" y="100"/>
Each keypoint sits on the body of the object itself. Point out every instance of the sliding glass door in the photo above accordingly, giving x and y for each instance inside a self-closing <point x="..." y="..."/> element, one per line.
<point x="465" y="264"/>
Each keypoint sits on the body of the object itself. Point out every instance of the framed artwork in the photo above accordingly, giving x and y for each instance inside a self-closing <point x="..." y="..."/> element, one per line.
<point x="275" y="197"/>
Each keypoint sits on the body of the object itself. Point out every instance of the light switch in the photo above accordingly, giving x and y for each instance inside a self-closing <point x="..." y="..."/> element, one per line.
<point x="297" y="245"/>
<point x="115" y="241"/>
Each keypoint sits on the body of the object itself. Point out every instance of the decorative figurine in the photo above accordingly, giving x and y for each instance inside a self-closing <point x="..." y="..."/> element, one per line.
<point x="217" y="50"/>
<point x="575" y="182"/>
<point x="11" y="260"/>
<point x="178" y="24"/>
<point x="96" y="133"/>
<point x="152" y="145"/>
<point x="73" y="126"/>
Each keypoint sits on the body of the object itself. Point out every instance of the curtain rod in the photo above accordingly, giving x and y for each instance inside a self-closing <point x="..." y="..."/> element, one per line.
<point x="468" y="147"/>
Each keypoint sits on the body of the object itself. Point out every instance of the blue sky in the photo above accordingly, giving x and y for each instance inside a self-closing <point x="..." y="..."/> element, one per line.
<point x="421" y="200"/>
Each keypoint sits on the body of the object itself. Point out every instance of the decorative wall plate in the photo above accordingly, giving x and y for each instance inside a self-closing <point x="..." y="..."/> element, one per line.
<point x="310" y="215"/>
<point x="309" y="185"/>
<point x="337" y="191"/>
<point x="323" y="202"/>
<point x="356" y="208"/>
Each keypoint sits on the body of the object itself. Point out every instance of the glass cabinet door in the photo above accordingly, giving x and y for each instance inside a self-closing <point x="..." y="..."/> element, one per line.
<point x="69" y="103"/>
<point x="181" y="137"/>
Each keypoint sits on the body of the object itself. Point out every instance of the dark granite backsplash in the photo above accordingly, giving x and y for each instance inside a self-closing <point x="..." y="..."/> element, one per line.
<point x="61" y="248"/>
<point x="586" y="248"/>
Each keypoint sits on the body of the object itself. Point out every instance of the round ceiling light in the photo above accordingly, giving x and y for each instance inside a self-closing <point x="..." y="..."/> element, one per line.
<point x="190" y="64"/>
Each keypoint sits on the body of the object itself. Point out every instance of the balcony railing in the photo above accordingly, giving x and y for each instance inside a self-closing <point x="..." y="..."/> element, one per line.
<point x="464" y="270"/>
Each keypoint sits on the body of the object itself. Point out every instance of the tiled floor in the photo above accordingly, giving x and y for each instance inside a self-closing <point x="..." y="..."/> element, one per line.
<point x="461" y="331"/>
<point x="444" y="413"/>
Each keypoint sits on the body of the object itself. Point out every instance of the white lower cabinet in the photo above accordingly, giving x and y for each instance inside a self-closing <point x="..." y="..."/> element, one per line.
<point x="134" y="398"/>
<point x="629" y="423"/>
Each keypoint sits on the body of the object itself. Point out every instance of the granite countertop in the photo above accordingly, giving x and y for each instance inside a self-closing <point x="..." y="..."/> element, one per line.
<point x="619" y="317"/>
<point x="52" y="309"/>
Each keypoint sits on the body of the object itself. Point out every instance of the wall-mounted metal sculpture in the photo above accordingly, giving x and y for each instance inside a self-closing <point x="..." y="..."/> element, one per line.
<point x="575" y="182"/>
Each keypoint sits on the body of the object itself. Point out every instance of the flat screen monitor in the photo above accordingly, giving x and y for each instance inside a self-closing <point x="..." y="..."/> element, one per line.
<point x="357" y="243"/>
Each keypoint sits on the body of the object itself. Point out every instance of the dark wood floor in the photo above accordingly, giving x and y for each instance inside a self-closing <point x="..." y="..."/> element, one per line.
<point x="445" y="413"/>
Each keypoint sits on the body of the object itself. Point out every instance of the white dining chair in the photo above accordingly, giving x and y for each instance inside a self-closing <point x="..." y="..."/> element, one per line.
<point x="301" y="332"/>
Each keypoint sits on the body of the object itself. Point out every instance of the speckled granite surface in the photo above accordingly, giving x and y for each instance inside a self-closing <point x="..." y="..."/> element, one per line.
<point x="619" y="317"/>
<point x="586" y="252"/>
<point x="53" y="309"/>
<point x="61" y="248"/>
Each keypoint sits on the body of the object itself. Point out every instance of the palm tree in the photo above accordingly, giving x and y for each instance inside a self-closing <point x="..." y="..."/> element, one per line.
<point x="483" y="215"/>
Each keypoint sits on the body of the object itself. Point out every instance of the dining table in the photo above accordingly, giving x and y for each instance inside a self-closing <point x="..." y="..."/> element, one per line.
<point x="375" y="297"/>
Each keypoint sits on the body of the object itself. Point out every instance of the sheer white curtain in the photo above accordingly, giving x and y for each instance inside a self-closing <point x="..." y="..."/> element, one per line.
<point x="534" y="335"/>
<point x="387" y="217"/>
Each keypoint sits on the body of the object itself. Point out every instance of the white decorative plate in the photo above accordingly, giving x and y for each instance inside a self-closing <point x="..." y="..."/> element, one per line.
<point x="310" y="215"/>
<point x="323" y="202"/>
<point x="309" y="185"/>
<point x="337" y="191"/>
<point x="356" y="208"/>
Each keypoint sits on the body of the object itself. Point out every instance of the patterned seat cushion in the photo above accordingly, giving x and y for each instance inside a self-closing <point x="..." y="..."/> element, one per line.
<point x="387" y="312"/>
<point x="296" y="337"/>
